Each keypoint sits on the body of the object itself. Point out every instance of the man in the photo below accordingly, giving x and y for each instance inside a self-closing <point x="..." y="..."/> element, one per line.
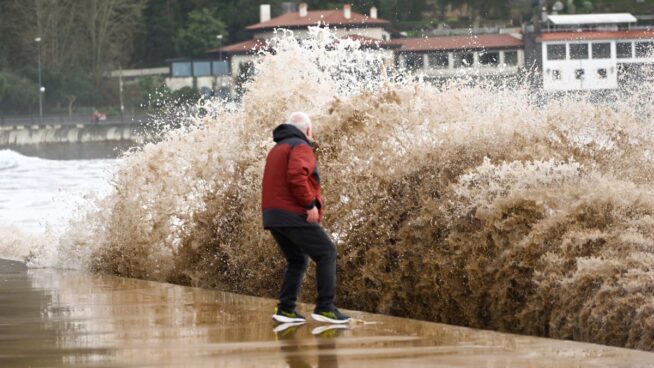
<point x="292" y="210"/>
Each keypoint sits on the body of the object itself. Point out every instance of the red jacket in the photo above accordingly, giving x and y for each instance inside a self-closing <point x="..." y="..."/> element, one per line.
<point x="291" y="183"/>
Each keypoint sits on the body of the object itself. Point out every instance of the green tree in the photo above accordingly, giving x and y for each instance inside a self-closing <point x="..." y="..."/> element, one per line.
<point x="76" y="87"/>
<point x="149" y="92"/>
<point x="186" y="96"/>
<point x="20" y="95"/>
<point x="402" y="10"/>
<point x="81" y="41"/>
<point x="3" y="85"/>
<point x="200" y="33"/>
<point x="156" y="40"/>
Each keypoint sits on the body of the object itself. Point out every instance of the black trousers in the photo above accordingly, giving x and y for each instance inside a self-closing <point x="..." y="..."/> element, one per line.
<point x="298" y="244"/>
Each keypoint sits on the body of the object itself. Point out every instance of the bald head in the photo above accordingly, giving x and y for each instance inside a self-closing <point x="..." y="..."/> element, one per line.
<point x="301" y="121"/>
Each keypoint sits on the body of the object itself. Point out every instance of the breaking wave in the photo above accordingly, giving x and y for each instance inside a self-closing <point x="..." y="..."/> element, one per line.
<point x="468" y="203"/>
<point x="38" y="197"/>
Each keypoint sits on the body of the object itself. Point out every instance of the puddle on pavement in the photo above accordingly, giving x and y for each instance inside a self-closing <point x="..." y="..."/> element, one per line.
<point x="51" y="318"/>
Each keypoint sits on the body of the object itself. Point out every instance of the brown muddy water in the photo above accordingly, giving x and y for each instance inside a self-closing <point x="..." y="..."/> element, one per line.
<point x="51" y="318"/>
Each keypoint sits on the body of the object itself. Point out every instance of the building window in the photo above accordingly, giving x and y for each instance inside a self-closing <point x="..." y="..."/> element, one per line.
<point x="201" y="68"/>
<point x="439" y="60"/>
<point x="181" y="69"/>
<point x="601" y="50"/>
<point x="578" y="51"/>
<point x="511" y="57"/>
<point x="579" y="74"/>
<point x="489" y="58"/>
<point x="556" y="74"/>
<point x="414" y="61"/>
<point x="220" y="67"/>
<point x="555" y="52"/>
<point x="464" y="59"/>
<point x="644" y="49"/>
<point x="624" y="50"/>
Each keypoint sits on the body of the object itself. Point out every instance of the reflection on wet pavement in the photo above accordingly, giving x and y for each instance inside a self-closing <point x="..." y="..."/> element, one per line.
<point x="52" y="318"/>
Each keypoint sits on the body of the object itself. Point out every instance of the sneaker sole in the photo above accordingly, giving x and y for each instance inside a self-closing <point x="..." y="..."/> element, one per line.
<point x="321" y="318"/>
<point x="284" y="319"/>
<point x="325" y="328"/>
<point x="285" y="326"/>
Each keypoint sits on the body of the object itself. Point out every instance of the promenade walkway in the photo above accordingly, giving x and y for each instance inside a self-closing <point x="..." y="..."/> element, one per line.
<point x="51" y="318"/>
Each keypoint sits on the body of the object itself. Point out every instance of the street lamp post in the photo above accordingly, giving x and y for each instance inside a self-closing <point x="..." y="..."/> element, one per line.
<point x="41" y="88"/>
<point x="120" y="88"/>
<point x="220" y="47"/>
<point x="220" y="58"/>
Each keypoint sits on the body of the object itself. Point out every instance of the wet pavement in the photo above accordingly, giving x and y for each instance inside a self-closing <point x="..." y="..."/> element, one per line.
<point x="51" y="318"/>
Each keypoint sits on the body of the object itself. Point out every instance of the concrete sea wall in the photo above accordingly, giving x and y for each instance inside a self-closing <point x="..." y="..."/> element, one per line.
<point x="78" y="133"/>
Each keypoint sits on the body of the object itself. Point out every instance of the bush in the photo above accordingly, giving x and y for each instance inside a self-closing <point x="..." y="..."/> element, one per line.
<point x="185" y="96"/>
<point x="20" y="94"/>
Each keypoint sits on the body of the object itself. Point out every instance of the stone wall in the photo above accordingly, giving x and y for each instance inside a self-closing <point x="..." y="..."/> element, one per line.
<point x="79" y="133"/>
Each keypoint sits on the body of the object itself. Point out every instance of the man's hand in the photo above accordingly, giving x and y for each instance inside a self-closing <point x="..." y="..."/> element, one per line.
<point x="312" y="215"/>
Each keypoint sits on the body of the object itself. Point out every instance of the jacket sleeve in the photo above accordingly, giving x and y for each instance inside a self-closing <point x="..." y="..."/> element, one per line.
<point x="301" y="164"/>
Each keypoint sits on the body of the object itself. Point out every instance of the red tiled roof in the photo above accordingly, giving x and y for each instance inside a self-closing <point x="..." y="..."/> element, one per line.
<point x="260" y="44"/>
<point x="366" y="41"/>
<point x="243" y="47"/>
<point x="486" y="41"/>
<point x="330" y="17"/>
<point x="596" y="35"/>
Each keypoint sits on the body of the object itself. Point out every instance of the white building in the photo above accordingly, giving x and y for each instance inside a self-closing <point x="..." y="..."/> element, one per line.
<point x="495" y="55"/>
<point x="204" y="74"/>
<point x="345" y="21"/>
<point x="592" y="51"/>
<point x="367" y="28"/>
<point x="448" y="56"/>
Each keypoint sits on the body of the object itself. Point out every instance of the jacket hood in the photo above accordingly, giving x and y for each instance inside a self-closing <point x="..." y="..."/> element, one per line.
<point x="285" y="131"/>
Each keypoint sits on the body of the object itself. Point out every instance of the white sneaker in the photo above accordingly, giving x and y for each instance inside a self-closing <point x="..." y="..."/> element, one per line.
<point x="331" y="316"/>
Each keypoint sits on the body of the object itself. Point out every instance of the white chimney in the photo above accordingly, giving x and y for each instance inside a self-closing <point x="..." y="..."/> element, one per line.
<point x="347" y="11"/>
<point x="264" y="13"/>
<point x="304" y="10"/>
<point x="373" y="13"/>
